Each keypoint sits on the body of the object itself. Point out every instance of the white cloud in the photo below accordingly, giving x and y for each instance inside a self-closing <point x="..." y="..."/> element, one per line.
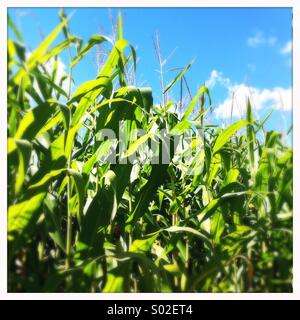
<point x="278" y="98"/>
<point x="262" y="99"/>
<point x="217" y="77"/>
<point x="260" y="39"/>
<point x="255" y="40"/>
<point x="287" y="48"/>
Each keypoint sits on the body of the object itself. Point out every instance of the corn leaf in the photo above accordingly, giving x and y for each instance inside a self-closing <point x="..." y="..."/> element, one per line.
<point x="226" y="135"/>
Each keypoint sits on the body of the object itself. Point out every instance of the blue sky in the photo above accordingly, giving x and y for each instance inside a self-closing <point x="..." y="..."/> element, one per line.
<point x="237" y="51"/>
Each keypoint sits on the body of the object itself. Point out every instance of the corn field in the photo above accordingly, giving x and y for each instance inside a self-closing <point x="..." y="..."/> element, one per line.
<point x="215" y="217"/>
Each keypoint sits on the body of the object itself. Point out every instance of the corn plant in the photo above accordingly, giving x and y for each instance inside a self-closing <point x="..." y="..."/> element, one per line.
<point x="80" y="222"/>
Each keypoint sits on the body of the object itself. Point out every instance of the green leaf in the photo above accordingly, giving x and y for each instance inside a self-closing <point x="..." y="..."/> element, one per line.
<point x="24" y="152"/>
<point x="57" y="49"/>
<point x="114" y="283"/>
<point x="120" y="26"/>
<point x="94" y="40"/>
<point x="70" y="139"/>
<point x="217" y="226"/>
<point x="117" y="279"/>
<point x="102" y="150"/>
<point x="11" y="145"/>
<point x="113" y="58"/>
<point x="122" y="172"/>
<point x="55" y="120"/>
<point x="210" y="209"/>
<point x="103" y="79"/>
<point x="213" y="168"/>
<point x="262" y="174"/>
<point x="225" y="136"/>
<point x="250" y="134"/>
<point x="90" y="90"/>
<point x="14" y="29"/>
<point x="46" y="180"/>
<point x="39" y="52"/>
<point x="79" y="185"/>
<point x="142" y="245"/>
<point x="23" y="215"/>
<point x="191" y="231"/>
<point x="87" y="93"/>
<point x="231" y="177"/>
<point x="134" y="146"/>
<point x="33" y="121"/>
<point x="50" y="82"/>
<point x="100" y="212"/>
<point x="158" y="175"/>
<point x="14" y="49"/>
<point x="88" y="86"/>
<point x="202" y="90"/>
<point x="66" y="114"/>
<point x="180" y="127"/>
<point x="55" y="232"/>
<point x="178" y="77"/>
<point x="141" y="96"/>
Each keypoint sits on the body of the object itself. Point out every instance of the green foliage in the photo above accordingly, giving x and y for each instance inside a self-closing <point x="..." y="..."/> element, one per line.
<point x="78" y="223"/>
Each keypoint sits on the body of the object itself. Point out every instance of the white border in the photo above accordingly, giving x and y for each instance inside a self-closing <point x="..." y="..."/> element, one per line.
<point x="147" y="3"/>
<point x="3" y="157"/>
<point x="4" y="4"/>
